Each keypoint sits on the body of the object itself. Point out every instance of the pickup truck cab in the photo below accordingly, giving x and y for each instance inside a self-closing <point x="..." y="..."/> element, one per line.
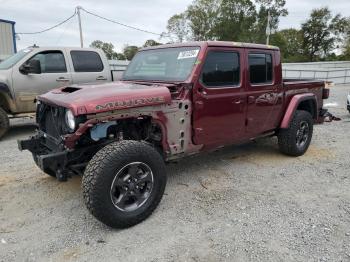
<point x="173" y="101"/>
<point x="37" y="70"/>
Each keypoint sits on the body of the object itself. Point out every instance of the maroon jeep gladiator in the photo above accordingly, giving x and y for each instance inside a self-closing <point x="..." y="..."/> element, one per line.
<point x="173" y="101"/>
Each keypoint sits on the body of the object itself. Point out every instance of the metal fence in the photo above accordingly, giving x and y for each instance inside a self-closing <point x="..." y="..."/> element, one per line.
<point x="337" y="72"/>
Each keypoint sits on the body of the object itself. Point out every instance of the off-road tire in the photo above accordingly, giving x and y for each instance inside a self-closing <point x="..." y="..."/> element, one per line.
<point x="4" y="122"/>
<point x="287" y="138"/>
<point x="103" y="168"/>
<point x="47" y="170"/>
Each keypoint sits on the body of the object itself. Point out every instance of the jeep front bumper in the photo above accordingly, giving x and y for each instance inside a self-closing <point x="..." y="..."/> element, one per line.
<point x="47" y="154"/>
<point x="54" y="158"/>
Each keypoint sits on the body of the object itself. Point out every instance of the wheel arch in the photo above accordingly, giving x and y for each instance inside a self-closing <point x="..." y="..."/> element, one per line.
<point x="6" y="99"/>
<point x="306" y="102"/>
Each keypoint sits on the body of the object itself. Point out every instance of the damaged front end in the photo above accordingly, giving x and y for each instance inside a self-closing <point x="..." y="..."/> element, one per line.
<point x="62" y="148"/>
<point x="49" y="145"/>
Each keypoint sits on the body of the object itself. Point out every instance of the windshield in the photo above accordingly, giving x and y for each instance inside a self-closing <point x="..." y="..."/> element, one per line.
<point x="164" y="64"/>
<point x="12" y="60"/>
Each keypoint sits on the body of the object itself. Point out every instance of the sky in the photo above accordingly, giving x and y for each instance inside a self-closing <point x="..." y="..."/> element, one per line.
<point x="36" y="15"/>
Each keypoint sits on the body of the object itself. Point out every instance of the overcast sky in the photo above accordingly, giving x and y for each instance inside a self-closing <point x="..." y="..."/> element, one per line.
<point x="36" y="15"/>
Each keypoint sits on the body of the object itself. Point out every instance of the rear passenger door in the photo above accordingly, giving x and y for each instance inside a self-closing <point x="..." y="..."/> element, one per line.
<point x="87" y="67"/>
<point x="264" y="92"/>
<point x="219" y="102"/>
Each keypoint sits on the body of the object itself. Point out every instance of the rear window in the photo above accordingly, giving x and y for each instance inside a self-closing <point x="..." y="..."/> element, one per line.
<point x="86" y="61"/>
<point x="260" y="68"/>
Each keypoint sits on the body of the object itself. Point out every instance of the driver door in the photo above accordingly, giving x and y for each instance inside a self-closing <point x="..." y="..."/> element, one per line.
<point x="219" y="99"/>
<point x="54" y="74"/>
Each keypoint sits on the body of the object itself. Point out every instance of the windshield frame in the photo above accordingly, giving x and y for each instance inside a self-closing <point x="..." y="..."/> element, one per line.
<point x="14" y="59"/>
<point x="192" y="47"/>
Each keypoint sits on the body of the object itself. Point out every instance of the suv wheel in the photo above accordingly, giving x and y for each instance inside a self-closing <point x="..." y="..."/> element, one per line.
<point x="4" y="122"/>
<point x="123" y="183"/>
<point x="295" y="140"/>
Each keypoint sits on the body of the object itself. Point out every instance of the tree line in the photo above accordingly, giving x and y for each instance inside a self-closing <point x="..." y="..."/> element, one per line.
<point x="323" y="36"/>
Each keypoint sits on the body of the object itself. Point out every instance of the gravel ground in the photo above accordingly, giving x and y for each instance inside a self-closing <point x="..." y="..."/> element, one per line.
<point x="242" y="203"/>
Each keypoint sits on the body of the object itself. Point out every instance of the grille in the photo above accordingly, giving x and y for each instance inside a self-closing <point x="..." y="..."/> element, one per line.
<point x="51" y="120"/>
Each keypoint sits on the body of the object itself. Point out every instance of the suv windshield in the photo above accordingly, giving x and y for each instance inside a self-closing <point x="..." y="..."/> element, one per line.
<point x="164" y="64"/>
<point x="12" y="60"/>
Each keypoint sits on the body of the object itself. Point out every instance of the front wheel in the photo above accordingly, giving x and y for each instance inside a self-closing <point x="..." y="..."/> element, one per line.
<point x="123" y="183"/>
<point x="295" y="140"/>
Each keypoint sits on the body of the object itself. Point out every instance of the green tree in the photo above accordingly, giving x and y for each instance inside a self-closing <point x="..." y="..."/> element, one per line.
<point x="178" y="27"/>
<point x="107" y="48"/>
<point x="322" y="32"/>
<point x="129" y="51"/>
<point x="202" y="19"/>
<point x="120" y="56"/>
<point x="276" y="10"/>
<point x="235" y="20"/>
<point x="290" y="43"/>
<point x="151" y="42"/>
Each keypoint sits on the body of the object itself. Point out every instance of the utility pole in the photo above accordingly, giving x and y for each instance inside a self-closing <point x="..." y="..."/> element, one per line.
<point x="268" y="27"/>
<point x="80" y="29"/>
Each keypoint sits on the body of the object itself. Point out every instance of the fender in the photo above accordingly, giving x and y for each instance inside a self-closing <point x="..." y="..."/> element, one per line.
<point x="293" y="105"/>
<point x="5" y="89"/>
<point x="6" y="98"/>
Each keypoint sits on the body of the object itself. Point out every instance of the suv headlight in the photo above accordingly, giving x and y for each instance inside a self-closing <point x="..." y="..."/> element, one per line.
<point x="70" y="120"/>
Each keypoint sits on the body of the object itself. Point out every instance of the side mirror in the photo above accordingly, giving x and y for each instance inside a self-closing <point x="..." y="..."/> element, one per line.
<point x="31" y="67"/>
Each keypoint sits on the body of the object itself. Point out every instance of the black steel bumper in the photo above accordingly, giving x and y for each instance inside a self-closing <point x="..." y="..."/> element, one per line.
<point x="48" y="158"/>
<point x="55" y="159"/>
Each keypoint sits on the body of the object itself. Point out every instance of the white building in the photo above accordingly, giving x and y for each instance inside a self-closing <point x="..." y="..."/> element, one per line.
<point x="7" y="39"/>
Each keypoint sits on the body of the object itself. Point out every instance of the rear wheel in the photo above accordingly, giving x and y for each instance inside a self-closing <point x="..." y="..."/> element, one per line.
<point x="295" y="140"/>
<point x="123" y="183"/>
<point x="4" y="122"/>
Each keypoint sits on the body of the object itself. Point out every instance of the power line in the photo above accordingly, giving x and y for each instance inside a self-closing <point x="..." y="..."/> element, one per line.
<point x="125" y="25"/>
<point x="50" y="28"/>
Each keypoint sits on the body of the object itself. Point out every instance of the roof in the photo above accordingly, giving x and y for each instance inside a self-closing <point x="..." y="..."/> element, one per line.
<point x="7" y="21"/>
<point x="214" y="43"/>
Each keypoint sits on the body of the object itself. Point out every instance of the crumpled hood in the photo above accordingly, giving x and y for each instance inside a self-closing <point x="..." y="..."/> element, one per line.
<point x="89" y="99"/>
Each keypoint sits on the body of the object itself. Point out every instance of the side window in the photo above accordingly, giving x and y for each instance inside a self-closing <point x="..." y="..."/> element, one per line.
<point x="86" y="61"/>
<point x="221" y="69"/>
<point x="51" y="62"/>
<point x="260" y="68"/>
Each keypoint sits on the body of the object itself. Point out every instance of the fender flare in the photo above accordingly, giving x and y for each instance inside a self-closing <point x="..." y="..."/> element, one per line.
<point x="7" y="97"/>
<point x="5" y="89"/>
<point x="293" y="105"/>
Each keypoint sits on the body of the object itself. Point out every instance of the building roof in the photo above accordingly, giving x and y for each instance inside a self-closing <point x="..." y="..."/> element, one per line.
<point x="7" y="21"/>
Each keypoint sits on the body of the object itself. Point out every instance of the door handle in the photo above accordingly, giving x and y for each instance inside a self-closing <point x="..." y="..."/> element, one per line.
<point x="237" y="102"/>
<point x="62" y="79"/>
<point x="202" y="91"/>
<point x="101" y="78"/>
<point x="251" y="99"/>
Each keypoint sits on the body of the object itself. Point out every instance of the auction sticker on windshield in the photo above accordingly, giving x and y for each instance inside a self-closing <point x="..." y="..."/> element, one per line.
<point x="188" y="54"/>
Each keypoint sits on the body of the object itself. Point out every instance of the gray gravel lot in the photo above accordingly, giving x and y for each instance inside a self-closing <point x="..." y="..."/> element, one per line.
<point x="242" y="203"/>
